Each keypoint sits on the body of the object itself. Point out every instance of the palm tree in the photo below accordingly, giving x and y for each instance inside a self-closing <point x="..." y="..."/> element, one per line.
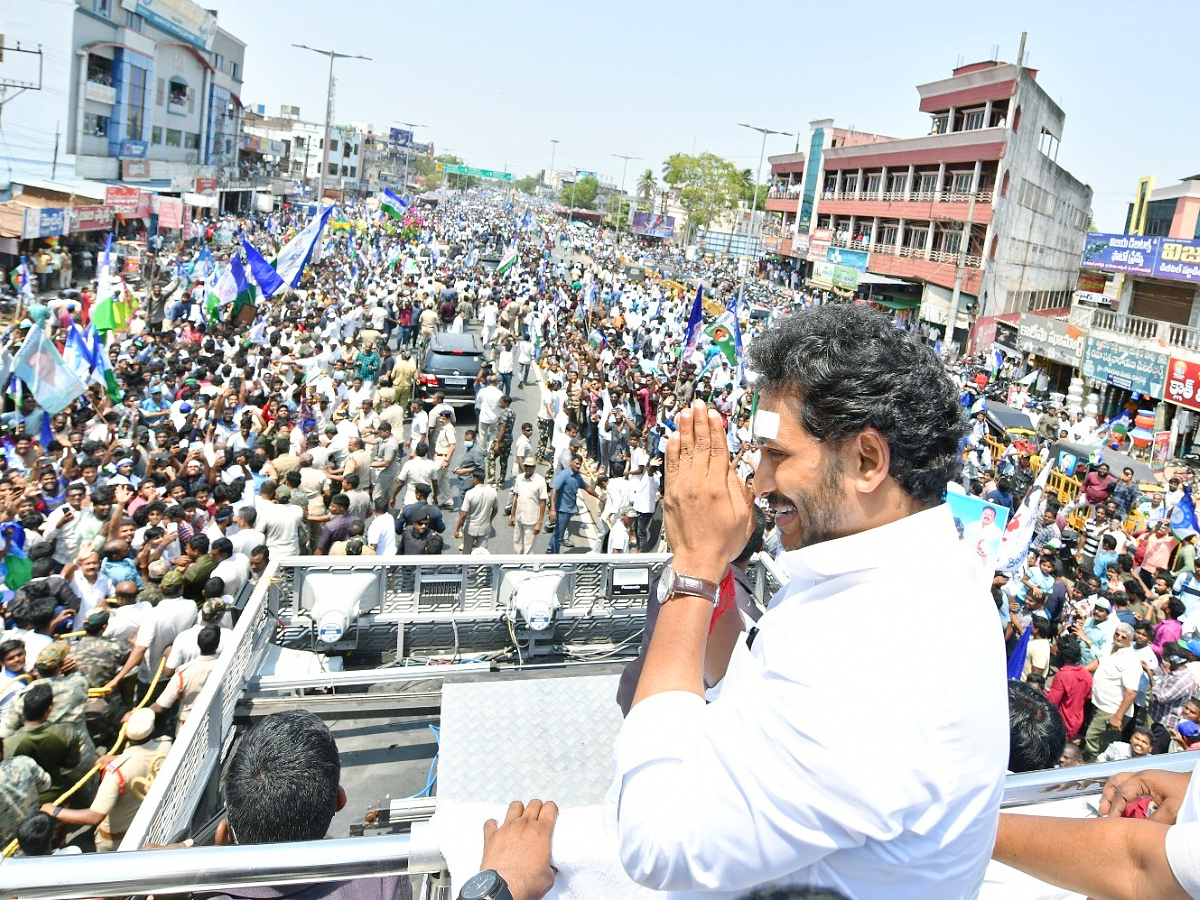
<point x="646" y="185"/>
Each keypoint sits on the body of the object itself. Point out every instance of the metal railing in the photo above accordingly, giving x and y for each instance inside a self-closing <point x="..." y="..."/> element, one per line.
<point x="914" y="196"/>
<point x="938" y="256"/>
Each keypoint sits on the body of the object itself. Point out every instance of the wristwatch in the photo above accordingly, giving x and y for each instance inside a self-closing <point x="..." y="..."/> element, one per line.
<point x="672" y="584"/>
<point x="487" y="885"/>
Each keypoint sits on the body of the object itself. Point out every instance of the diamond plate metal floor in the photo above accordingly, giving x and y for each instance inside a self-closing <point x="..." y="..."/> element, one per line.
<point x="546" y="734"/>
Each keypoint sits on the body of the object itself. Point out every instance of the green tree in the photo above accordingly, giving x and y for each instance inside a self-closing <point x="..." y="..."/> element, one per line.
<point x="705" y="185"/>
<point x="580" y="194"/>
<point x="529" y="184"/>
<point x="646" y="186"/>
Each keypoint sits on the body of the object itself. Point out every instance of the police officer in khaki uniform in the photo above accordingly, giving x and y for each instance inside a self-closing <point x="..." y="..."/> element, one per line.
<point x="117" y="802"/>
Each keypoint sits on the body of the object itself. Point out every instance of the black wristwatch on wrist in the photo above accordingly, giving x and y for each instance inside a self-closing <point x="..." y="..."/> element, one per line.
<point x="487" y="885"/>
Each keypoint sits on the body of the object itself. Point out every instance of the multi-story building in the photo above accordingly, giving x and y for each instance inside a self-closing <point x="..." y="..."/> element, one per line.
<point x="142" y="91"/>
<point x="288" y="147"/>
<point x="976" y="214"/>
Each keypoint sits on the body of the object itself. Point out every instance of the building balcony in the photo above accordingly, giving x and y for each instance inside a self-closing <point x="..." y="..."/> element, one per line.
<point x="784" y="203"/>
<point x="935" y="266"/>
<point x="1153" y="334"/>
<point x="909" y="205"/>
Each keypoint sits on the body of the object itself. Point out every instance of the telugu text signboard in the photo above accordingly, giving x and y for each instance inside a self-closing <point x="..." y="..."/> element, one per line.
<point x="1132" y="368"/>
<point x="122" y="200"/>
<point x="818" y="244"/>
<point x="40" y="222"/>
<point x="854" y="259"/>
<point x="1175" y="259"/>
<point x="1051" y="339"/>
<point x="1183" y="383"/>
<point x="91" y="218"/>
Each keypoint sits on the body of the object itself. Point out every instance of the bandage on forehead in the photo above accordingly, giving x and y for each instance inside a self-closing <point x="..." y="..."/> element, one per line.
<point x="764" y="426"/>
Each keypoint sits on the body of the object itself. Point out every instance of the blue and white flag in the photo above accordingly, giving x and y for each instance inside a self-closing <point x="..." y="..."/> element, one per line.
<point x="40" y="366"/>
<point x="26" y="282"/>
<point x="1183" y="516"/>
<point x="296" y="253"/>
<point x="202" y="266"/>
<point x="265" y="277"/>
<point x="1018" y="534"/>
<point x="79" y="351"/>
<point x="691" y="337"/>
<point x="1016" y="662"/>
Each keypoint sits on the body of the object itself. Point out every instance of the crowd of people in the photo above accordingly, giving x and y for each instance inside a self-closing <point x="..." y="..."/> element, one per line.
<point x="133" y="521"/>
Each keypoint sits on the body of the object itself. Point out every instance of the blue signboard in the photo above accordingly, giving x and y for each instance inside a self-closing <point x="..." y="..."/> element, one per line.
<point x="854" y="259"/>
<point x="1176" y="259"/>
<point x="40" y="222"/>
<point x="1132" y="368"/>
<point x="134" y="149"/>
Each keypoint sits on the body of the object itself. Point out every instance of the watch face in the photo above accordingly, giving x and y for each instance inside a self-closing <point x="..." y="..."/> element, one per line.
<point x="480" y="887"/>
<point x="666" y="584"/>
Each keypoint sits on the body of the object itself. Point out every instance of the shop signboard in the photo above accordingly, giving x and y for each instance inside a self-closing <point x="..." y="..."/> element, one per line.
<point x="800" y="244"/>
<point x="122" y="200"/>
<point x="91" y="218"/>
<point x="135" y="170"/>
<point x="182" y="18"/>
<point x="818" y="244"/>
<point x="134" y="150"/>
<point x="1183" y="383"/>
<point x="42" y="222"/>
<point x="1051" y="339"/>
<point x="1131" y="368"/>
<point x="101" y="93"/>
<point x="170" y="213"/>
<point x="206" y="186"/>
<point x="822" y="274"/>
<point x="846" y="278"/>
<point x="854" y="259"/>
<point x="1174" y="259"/>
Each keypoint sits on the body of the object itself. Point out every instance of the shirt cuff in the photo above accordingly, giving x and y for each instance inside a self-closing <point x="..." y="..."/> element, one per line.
<point x="1183" y="855"/>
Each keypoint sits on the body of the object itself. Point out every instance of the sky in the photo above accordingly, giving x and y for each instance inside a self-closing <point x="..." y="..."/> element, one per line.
<point x="495" y="82"/>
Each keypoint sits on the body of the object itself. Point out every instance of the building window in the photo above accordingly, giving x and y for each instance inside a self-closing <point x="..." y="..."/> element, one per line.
<point x="1004" y="182"/>
<point x="95" y="125"/>
<point x="873" y="182"/>
<point x="940" y="124"/>
<point x="354" y="171"/>
<point x="333" y="146"/>
<point x="177" y="97"/>
<point x="896" y="182"/>
<point x="174" y="137"/>
<point x="233" y="71"/>
<point x="191" y="141"/>
<point x="102" y="7"/>
<point x="133" y="21"/>
<point x="972" y="119"/>
<point x="99" y="70"/>
<point x="218" y="62"/>
<point x="137" y="103"/>
<point x="156" y="135"/>
<point x="927" y="182"/>
<point x="849" y="184"/>
<point x="886" y="235"/>
<point x="960" y="182"/>
<point x="332" y="168"/>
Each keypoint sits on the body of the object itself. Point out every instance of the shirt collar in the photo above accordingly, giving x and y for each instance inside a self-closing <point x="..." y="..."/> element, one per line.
<point x="908" y="538"/>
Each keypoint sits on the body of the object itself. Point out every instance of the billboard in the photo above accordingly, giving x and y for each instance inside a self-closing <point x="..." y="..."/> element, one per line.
<point x="818" y="244"/>
<point x="854" y="259"/>
<point x="1131" y="368"/>
<point x="1051" y="339"/>
<point x="399" y="137"/>
<point x="1175" y="259"/>
<point x="122" y="200"/>
<point x="182" y="18"/>
<point x="1183" y="383"/>
<point x="653" y="225"/>
<point x="40" y="222"/>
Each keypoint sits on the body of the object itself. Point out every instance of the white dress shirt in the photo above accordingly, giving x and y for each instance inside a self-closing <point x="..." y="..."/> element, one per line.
<point x="794" y="773"/>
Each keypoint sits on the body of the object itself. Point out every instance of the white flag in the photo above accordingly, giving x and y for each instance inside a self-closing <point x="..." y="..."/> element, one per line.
<point x="1018" y="534"/>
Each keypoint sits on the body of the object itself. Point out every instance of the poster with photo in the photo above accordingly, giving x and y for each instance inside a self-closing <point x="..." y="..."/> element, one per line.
<point x="980" y="526"/>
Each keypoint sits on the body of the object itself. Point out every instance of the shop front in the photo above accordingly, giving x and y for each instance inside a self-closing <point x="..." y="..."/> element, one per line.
<point x="1126" y="377"/>
<point x="1053" y="346"/>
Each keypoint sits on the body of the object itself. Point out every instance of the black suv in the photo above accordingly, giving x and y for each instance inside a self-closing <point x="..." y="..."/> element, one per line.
<point x="450" y="365"/>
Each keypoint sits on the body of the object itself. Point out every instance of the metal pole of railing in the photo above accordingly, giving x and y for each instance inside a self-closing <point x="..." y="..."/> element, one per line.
<point x="1027" y="788"/>
<point x="208" y="869"/>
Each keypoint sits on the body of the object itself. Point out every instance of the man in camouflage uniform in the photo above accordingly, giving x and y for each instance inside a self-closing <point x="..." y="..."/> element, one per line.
<point x="21" y="780"/>
<point x="70" y="700"/>
<point x="117" y="802"/>
<point x="98" y="659"/>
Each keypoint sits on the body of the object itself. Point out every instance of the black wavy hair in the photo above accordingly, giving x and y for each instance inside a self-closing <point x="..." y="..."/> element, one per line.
<point x="852" y="369"/>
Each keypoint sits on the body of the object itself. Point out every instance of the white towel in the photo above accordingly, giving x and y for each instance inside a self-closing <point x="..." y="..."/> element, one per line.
<point x="584" y="854"/>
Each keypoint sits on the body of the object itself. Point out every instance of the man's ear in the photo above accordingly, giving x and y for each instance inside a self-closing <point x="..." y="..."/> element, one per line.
<point x="341" y="798"/>
<point x="221" y="835"/>
<point x="868" y="460"/>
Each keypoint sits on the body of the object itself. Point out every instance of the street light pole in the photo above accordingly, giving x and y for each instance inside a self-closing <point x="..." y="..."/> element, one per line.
<point x="757" y="178"/>
<point x="411" y="126"/>
<point x="333" y="55"/>
<point x="553" y="148"/>
<point x="621" y="197"/>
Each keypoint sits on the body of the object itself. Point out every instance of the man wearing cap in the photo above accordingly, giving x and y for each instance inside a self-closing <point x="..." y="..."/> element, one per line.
<point x="527" y="509"/>
<point x="117" y="802"/>
<point x="522" y="448"/>
<point x="419" y="539"/>
<point x="1096" y="634"/>
<point x="173" y="615"/>
<point x="445" y="443"/>
<point x="421" y="504"/>
<point x="1169" y="691"/>
<point x="155" y="409"/>
<point x="98" y="659"/>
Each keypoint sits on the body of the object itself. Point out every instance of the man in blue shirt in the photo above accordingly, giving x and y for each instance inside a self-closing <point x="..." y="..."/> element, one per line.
<point x="564" y="492"/>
